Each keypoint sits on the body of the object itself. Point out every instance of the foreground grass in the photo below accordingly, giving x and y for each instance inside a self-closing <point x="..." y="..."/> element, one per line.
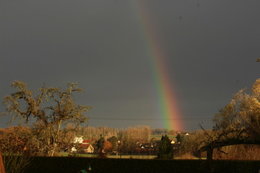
<point x="75" y="164"/>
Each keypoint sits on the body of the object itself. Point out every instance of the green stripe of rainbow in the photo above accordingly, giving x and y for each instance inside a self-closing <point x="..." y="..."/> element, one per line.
<point x="166" y="98"/>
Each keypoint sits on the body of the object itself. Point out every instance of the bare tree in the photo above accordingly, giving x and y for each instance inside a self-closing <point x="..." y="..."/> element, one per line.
<point x="49" y="108"/>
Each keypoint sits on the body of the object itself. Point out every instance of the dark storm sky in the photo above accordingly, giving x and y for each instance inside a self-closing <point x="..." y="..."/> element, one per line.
<point x="212" y="46"/>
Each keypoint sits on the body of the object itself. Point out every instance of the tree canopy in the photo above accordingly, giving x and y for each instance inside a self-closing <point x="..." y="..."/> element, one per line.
<point x="238" y="122"/>
<point x="240" y="118"/>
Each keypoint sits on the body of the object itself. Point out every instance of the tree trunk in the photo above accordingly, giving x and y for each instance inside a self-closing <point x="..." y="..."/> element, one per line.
<point x="210" y="154"/>
<point x="56" y="138"/>
<point x="2" y="167"/>
<point x="209" y="160"/>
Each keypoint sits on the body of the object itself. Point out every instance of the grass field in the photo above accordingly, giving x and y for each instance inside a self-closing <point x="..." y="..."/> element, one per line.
<point x="112" y="156"/>
<point x="134" y="156"/>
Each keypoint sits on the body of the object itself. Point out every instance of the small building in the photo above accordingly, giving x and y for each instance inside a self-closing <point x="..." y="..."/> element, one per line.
<point x="78" y="139"/>
<point x="87" y="148"/>
<point x="81" y="145"/>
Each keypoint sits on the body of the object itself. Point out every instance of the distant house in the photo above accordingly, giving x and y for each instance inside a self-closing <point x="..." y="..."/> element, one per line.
<point x="74" y="150"/>
<point x="78" y="139"/>
<point x="86" y="141"/>
<point x="82" y="146"/>
<point x="86" y="146"/>
<point x="173" y="142"/>
<point x="146" y="148"/>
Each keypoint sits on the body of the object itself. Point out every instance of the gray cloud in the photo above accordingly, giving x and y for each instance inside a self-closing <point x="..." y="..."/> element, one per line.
<point x="211" y="49"/>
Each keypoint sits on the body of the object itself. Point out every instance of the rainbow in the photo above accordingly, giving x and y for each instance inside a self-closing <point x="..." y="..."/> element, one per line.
<point x="165" y="92"/>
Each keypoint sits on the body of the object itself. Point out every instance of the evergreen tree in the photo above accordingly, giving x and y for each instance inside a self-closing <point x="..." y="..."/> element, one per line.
<point x="100" y="146"/>
<point x="165" y="148"/>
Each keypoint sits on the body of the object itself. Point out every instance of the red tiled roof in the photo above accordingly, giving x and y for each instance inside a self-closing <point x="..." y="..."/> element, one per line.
<point x="86" y="141"/>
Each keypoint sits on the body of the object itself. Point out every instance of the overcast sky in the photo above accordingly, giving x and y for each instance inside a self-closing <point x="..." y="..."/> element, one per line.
<point x="211" y="48"/>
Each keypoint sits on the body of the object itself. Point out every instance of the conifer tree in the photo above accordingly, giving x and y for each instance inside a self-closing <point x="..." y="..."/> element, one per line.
<point x="165" y="148"/>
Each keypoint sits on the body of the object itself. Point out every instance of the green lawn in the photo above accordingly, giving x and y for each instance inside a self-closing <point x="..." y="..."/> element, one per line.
<point x="111" y="156"/>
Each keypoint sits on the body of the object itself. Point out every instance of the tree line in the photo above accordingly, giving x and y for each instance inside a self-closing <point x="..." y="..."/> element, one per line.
<point x="53" y="118"/>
